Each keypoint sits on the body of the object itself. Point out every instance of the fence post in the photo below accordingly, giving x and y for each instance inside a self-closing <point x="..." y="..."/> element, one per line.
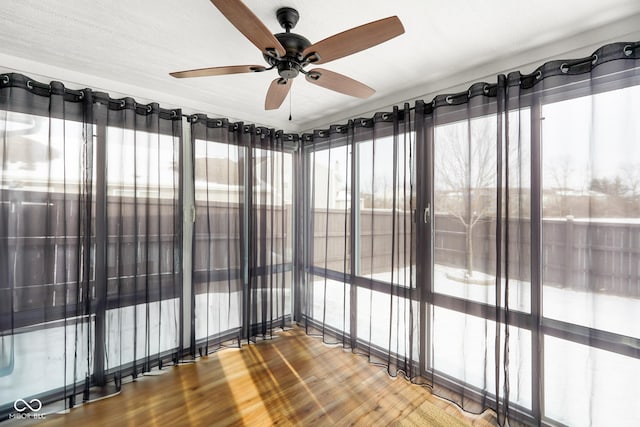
<point x="569" y="253"/>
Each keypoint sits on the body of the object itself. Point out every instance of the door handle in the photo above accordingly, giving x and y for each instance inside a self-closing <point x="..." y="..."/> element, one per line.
<point x="427" y="214"/>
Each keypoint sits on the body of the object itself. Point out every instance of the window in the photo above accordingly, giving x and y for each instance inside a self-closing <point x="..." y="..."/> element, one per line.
<point x="330" y="240"/>
<point x="217" y="256"/>
<point x="141" y="195"/>
<point x="270" y="238"/>
<point x="331" y="204"/>
<point x="40" y="185"/>
<point x="386" y="199"/>
<point x="591" y="211"/>
<point x="456" y="333"/>
<point x="590" y="262"/>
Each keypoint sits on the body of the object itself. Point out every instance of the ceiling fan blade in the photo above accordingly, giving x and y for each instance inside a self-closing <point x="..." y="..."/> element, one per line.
<point x="250" y="26"/>
<point x="277" y="92"/>
<point x="338" y="82"/>
<point x="354" y="40"/>
<point x="218" y="71"/>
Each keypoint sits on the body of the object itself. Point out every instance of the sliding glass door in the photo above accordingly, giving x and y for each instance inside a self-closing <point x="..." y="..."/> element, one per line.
<point x="479" y="281"/>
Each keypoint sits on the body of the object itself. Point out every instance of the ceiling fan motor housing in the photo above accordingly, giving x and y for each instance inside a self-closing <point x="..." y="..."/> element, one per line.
<point x="290" y="65"/>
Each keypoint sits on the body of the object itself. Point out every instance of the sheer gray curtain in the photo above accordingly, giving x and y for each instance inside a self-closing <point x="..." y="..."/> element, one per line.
<point x="47" y="326"/>
<point x="477" y="357"/>
<point x="270" y="256"/>
<point x="494" y="257"/>
<point x="90" y="241"/>
<point x="243" y="238"/>
<point x="219" y="159"/>
<point x="138" y="223"/>
<point x="361" y="287"/>
<point x="326" y="298"/>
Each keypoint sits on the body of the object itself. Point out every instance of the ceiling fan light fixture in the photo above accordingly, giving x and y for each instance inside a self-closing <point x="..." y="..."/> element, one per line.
<point x="288" y="69"/>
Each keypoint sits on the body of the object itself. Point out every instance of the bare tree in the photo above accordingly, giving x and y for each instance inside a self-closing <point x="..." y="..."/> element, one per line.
<point x="560" y="172"/>
<point x="631" y="179"/>
<point x="466" y="175"/>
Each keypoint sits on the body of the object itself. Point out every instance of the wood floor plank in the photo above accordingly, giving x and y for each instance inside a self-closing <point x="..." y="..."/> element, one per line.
<point x="293" y="379"/>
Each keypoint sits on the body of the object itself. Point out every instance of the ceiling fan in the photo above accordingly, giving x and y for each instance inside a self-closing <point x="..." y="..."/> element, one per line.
<point x="290" y="53"/>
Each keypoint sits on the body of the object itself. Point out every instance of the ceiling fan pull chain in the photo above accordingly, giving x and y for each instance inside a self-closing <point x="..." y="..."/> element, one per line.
<point x="290" y="95"/>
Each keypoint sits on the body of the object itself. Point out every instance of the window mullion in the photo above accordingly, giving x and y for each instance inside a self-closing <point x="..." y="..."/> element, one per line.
<point x="537" y="344"/>
<point x="354" y="240"/>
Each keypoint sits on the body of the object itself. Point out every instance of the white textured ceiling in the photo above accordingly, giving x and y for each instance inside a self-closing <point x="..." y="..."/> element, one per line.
<point x="130" y="46"/>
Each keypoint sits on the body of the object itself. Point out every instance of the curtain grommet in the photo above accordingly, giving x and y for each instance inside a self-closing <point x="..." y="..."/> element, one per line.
<point x="363" y="122"/>
<point x="564" y="68"/>
<point x="339" y="129"/>
<point x="123" y="103"/>
<point x="385" y="116"/>
<point x="219" y="123"/>
<point x="81" y="95"/>
<point x="485" y="89"/>
<point x="174" y="114"/>
<point x="149" y="108"/>
<point x="448" y="100"/>
<point x="29" y="84"/>
<point x="627" y="50"/>
<point x="193" y="118"/>
<point x="594" y="59"/>
<point x="433" y="103"/>
<point x="5" y="79"/>
<point x="538" y="75"/>
<point x="469" y="93"/>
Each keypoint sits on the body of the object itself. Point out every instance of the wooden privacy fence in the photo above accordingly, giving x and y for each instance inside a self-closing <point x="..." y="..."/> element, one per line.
<point x="598" y="255"/>
<point x="40" y="237"/>
<point x="594" y="255"/>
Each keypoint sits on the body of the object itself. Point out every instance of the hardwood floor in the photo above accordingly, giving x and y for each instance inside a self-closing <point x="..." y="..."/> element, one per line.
<point x="290" y="380"/>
